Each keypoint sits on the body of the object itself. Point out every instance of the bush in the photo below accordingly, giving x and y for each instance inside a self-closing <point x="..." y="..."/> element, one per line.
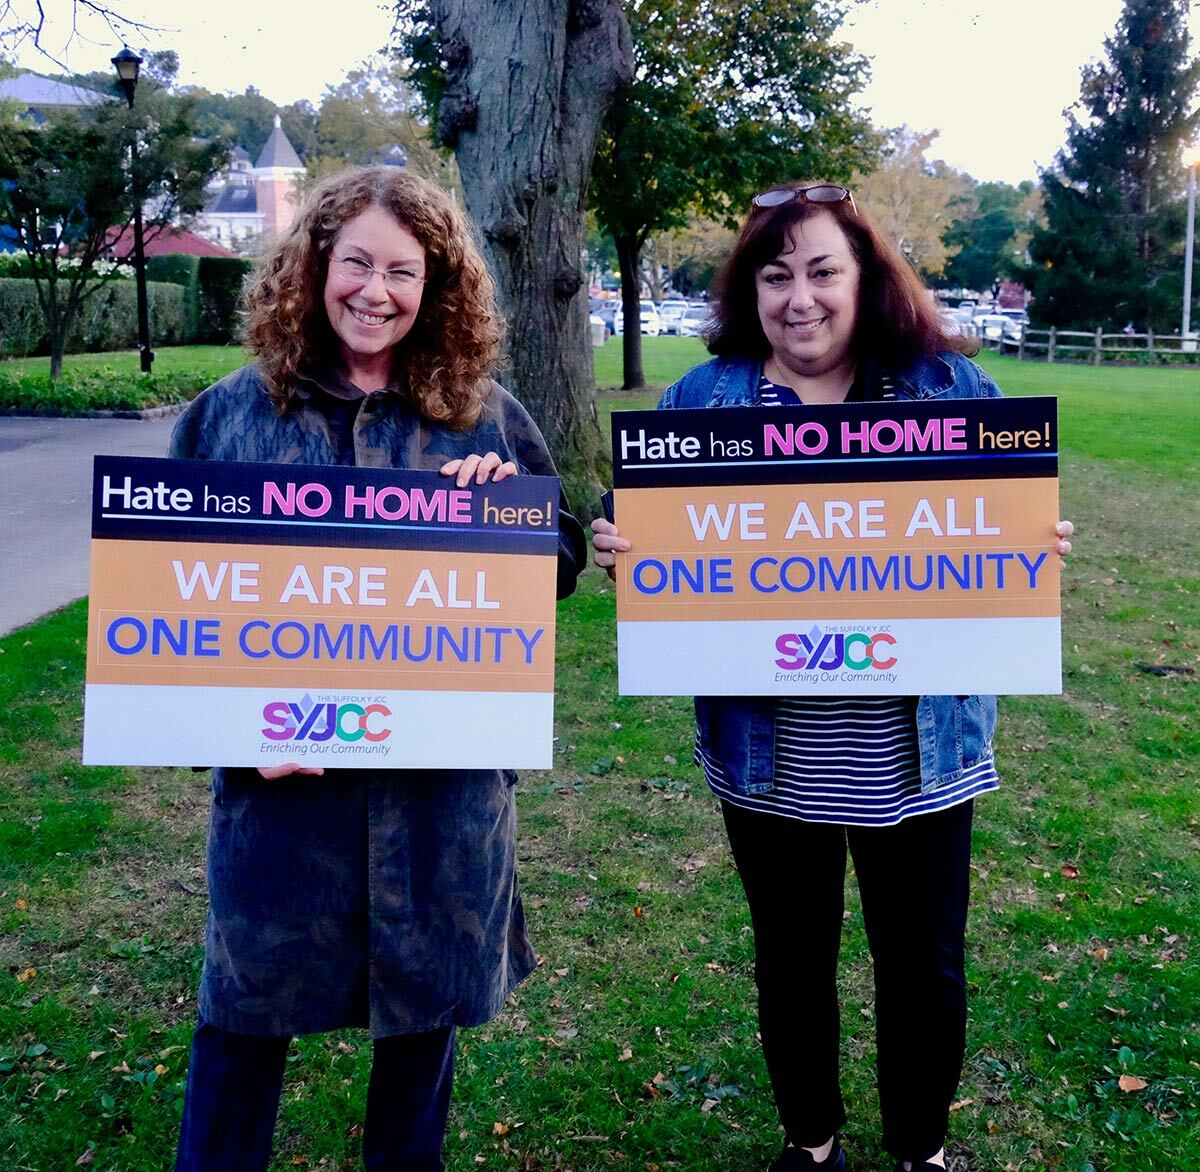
<point x="107" y="320"/>
<point x="221" y="281"/>
<point x="104" y="389"/>
<point x="178" y="268"/>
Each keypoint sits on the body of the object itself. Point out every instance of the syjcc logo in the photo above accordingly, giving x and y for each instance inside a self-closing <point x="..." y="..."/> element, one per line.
<point x="826" y="650"/>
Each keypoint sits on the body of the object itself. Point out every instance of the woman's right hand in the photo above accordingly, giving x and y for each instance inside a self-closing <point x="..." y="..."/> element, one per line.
<point x="607" y="543"/>
<point x="275" y="772"/>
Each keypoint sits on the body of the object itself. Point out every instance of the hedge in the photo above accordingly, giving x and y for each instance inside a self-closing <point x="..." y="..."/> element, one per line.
<point x="178" y="268"/>
<point x="221" y="281"/>
<point x="107" y="320"/>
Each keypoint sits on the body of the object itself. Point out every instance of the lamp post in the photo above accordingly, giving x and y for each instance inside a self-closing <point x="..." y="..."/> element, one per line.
<point x="127" y="65"/>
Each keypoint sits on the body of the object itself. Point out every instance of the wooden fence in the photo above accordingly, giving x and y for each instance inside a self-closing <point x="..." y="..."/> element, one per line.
<point x="1096" y="347"/>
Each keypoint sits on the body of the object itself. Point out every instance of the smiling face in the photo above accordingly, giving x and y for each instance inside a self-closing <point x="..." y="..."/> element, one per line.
<point x="808" y="302"/>
<point x="370" y="317"/>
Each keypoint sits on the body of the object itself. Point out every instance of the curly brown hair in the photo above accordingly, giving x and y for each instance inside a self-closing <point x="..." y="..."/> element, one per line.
<point x="897" y="318"/>
<point x="443" y="363"/>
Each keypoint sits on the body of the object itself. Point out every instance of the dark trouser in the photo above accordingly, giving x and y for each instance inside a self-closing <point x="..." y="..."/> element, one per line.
<point x="913" y="879"/>
<point x="232" y="1098"/>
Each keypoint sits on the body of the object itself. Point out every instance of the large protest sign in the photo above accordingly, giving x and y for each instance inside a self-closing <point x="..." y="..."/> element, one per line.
<point x="251" y="614"/>
<point x="897" y="548"/>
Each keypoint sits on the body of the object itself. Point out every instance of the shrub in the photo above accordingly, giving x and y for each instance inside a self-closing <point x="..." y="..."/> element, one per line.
<point x="102" y="389"/>
<point x="107" y="320"/>
<point x="178" y="268"/>
<point x="221" y="281"/>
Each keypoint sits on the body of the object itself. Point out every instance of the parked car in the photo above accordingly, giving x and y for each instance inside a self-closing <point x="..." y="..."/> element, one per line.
<point x="989" y="327"/>
<point x="670" y="313"/>
<point x="955" y="321"/>
<point x="1018" y="322"/>
<point x="694" y="320"/>
<point x="605" y="309"/>
<point x="651" y="324"/>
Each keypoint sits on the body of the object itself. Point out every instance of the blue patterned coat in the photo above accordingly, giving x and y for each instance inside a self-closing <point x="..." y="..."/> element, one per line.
<point x="378" y="898"/>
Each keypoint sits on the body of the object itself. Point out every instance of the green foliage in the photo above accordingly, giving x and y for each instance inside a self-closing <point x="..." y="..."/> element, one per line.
<point x="65" y="187"/>
<point x="180" y="269"/>
<point x="246" y="119"/>
<point x="221" y="280"/>
<point x="727" y="98"/>
<point x="1110" y="250"/>
<point x="983" y="236"/>
<point x="106" y="319"/>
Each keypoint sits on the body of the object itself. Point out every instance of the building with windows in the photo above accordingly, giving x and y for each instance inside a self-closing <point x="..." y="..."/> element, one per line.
<point x="253" y="202"/>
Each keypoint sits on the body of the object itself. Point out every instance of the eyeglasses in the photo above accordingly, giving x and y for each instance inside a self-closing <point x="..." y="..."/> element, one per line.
<point x="820" y="193"/>
<point x="356" y="271"/>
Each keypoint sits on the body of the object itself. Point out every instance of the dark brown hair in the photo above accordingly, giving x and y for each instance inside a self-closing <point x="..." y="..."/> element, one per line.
<point x="443" y="362"/>
<point x="897" y="318"/>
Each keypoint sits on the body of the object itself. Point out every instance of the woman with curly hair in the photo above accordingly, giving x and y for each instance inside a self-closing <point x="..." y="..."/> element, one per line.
<point x="384" y="899"/>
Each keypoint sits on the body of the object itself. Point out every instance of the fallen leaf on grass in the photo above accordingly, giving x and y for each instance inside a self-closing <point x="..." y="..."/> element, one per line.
<point x="86" y="1158"/>
<point x="960" y="1104"/>
<point x="707" y="1106"/>
<point x="1069" y="871"/>
<point x="639" y="912"/>
<point x="21" y="905"/>
<point x="1100" y="953"/>
<point x="94" y="1054"/>
<point x="499" y="1129"/>
<point x="691" y="865"/>
<point x="26" y="975"/>
<point x="1131" y="1082"/>
<point x="160" y="1070"/>
<point x="625" y="1055"/>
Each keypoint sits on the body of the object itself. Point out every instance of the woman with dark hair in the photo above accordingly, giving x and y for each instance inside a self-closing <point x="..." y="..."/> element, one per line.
<point x="814" y="306"/>
<point x="385" y="898"/>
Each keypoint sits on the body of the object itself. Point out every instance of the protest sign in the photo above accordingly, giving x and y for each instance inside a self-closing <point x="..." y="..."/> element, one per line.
<point x="897" y="548"/>
<point x="253" y="614"/>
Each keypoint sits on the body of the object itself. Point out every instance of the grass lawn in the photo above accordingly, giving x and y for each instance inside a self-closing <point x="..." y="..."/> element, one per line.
<point x="633" y="1046"/>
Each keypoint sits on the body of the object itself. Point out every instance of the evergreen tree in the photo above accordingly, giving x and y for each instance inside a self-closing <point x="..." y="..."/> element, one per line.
<point x="1111" y="249"/>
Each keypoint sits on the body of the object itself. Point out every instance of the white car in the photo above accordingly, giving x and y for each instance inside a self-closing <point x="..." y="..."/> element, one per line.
<point x="694" y="321"/>
<point x="670" y="313"/>
<point x="651" y="324"/>
<point x="989" y="326"/>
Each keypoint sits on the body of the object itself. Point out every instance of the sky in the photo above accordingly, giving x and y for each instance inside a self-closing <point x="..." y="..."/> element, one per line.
<point x="993" y="76"/>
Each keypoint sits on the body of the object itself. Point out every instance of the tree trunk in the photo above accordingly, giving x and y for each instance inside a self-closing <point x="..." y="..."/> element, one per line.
<point x="57" y="349"/>
<point x="529" y="82"/>
<point x="628" y="257"/>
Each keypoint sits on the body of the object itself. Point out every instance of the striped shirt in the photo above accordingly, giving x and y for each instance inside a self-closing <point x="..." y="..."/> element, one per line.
<point x="848" y="760"/>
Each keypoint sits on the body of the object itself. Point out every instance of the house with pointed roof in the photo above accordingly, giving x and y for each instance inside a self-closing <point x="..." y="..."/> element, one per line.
<point x="252" y="204"/>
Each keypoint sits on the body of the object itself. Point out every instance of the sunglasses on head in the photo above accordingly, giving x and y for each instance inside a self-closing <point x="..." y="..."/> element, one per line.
<point x="820" y="193"/>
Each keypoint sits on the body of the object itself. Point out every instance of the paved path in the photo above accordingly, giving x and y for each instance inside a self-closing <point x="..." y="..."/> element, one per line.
<point x="45" y="505"/>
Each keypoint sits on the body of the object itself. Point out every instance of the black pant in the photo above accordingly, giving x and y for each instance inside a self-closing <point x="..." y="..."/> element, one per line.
<point x="913" y="879"/>
<point x="232" y="1098"/>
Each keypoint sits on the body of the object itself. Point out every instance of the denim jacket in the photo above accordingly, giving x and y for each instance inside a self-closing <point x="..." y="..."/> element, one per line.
<point x="953" y="732"/>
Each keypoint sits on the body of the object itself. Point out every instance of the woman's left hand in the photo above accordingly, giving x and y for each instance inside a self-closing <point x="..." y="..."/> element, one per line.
<point x="1063" y="531"/>
<point x="482" y="468"/>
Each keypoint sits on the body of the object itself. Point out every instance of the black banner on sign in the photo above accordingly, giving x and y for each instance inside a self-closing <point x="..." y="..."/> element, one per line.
<point x="938" y="439"/>
<point x="293" y="504"/>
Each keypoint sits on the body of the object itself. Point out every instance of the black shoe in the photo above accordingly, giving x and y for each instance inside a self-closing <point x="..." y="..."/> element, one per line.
<point x="800" y="1160"/>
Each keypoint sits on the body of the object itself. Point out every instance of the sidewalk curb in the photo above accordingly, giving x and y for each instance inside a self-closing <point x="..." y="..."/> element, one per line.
<point x="163" y="412"/>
